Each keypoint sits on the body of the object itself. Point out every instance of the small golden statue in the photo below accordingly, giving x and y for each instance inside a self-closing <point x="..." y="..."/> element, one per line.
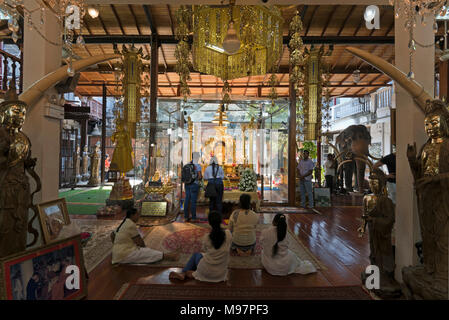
<point x="379" y="216"/>
<point x="430" y="168"/>
<point x="122" y="160"/>
<point x="95" y="158"/>
<point x="15" y="162"/>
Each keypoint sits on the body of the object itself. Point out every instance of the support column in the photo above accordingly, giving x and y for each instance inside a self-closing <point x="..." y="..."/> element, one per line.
<point x="103" y="134"/>
<point x="153" y="99"/>
<point x="409" y="129"/>
<point x="41" y="58"/>
<point x="292" y="147"/>
<point x="444" y="79"/>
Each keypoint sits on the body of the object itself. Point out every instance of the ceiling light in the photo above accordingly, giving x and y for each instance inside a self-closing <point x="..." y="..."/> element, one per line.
<point x="231" y="42"/>
<point x="93" y="12"/>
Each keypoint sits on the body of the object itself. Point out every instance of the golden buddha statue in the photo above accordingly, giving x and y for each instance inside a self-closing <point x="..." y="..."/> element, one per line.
<point x="430" y="169"/>
<point x="15" y="162"/>
<point x="122" y="159"/>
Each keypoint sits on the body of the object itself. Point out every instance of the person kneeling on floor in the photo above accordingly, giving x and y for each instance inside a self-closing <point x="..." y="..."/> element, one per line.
<point x="129" y="247"/>
<point x="212" y="264"/>
<point x="277" y="258"/>
<point x="242" y="224"/>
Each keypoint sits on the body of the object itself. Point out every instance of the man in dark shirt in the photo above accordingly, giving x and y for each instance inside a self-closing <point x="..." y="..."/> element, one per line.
<point x="390" y="162"/>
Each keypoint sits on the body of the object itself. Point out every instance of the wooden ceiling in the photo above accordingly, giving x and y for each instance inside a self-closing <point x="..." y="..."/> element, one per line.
<point x="339" y="25"/>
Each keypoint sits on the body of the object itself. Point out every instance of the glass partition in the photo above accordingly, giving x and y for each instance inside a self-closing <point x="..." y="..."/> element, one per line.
<point x="245" y="134"/>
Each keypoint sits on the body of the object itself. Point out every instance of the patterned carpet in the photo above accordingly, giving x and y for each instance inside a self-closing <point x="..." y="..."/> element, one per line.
<point x="223" y="292"/>
<point x="186" y="239"/>
<point x="99" y="246"/>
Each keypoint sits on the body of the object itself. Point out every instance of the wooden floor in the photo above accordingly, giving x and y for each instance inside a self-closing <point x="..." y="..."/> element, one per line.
<point x="331" y="236"/>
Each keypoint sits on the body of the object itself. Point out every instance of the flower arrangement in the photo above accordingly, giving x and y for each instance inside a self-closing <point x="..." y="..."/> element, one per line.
<point x="248" y="180"/>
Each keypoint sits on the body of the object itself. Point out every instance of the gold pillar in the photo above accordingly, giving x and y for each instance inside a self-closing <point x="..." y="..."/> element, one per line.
<point x="244" y="127"/>
<point x="190" y="130"/>
<point x="132" y="69"/>
<point x="313" y="95"/>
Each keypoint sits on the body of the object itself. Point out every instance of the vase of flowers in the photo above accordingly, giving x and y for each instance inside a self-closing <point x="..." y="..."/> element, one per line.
<point x="248" y="180"/>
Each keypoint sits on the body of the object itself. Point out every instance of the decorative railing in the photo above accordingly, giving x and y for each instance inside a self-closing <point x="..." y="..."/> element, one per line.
<point x="351" y="108"/>
<point x="9" y="66"/>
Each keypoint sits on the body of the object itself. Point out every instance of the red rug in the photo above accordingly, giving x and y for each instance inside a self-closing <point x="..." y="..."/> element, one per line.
<point x="222" y="291"/>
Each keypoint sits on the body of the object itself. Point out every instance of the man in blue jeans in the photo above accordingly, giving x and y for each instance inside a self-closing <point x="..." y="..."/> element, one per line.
<point x="192" y="190"/>
<point x="305" y="168"/>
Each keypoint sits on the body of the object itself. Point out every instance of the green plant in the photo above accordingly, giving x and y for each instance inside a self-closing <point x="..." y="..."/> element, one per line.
<point x="311" y="147"/>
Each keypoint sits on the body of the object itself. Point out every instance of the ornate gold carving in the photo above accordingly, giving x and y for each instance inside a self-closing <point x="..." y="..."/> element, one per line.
<point x="430" y="168"/>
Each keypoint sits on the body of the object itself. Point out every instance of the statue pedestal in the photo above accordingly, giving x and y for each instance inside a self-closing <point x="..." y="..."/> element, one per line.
<point x="418" y="285"/>
<point x="388" y="288"/>
<point x="121" y="191"/>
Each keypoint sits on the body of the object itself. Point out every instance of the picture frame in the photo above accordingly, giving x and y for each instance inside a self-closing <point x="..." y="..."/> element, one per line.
<point x="53" y="215"/>
<point x="43" y="273"/>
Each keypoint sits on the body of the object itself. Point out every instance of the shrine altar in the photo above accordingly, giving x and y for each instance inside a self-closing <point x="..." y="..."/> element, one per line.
<point x="233" y="196"/>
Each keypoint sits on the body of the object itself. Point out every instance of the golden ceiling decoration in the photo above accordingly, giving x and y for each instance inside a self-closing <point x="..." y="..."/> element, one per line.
<point x="258" y="28"/>
<point x="132" y="68"/>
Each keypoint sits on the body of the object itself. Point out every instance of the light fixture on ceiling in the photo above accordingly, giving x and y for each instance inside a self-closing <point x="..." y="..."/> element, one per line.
<point x="231" y="43"/>
<point x="93" y="12"/>
<point x="356" y="76"/>
<point x="96" y="131"/>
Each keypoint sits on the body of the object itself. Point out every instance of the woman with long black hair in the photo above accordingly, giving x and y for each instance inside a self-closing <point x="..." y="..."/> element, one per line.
<point x="129" y="247"/>
<point x="277" y="258"/>
<point x="212" y="264"/>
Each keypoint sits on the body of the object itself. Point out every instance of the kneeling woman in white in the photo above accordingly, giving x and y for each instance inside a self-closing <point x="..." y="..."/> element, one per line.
<point x="277" y="258"/>
<point x="129" y="246"/>
<point x="212" y="264"/>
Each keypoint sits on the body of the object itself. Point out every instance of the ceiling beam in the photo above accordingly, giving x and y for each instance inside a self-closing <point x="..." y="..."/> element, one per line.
<point x="205" y="86"/>
<point x="118" y="19"/>
<point x="169" y="39"/>
<point x="282" y="69"/>
<point x="147" y="10"/>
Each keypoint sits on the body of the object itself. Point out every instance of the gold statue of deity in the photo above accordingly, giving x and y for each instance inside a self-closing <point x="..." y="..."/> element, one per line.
<point x="379" y="216"/>
<point x="122" y="159"/>
<point x="15" y="162"/>
<point x="430" y="168"/>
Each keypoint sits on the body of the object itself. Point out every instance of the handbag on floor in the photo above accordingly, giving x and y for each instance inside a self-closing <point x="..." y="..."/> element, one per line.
<point x="211" y="188"/>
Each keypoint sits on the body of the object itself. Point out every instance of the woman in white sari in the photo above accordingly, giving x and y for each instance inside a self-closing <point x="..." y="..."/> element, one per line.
<point x="277" y="258"/>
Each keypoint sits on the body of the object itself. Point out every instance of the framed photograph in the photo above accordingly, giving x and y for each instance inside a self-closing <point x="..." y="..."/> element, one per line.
<point x="51" y="272"/>
<point x="53" y="215"/>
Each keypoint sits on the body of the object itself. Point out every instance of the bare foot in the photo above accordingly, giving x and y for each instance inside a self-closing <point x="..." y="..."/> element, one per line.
<point x="176" y="275"/>
<point x="189" y="274"/>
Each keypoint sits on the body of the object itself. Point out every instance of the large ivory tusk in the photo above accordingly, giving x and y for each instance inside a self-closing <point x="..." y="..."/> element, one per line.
<point x="33" y="93"/>
<point x="412" y="87"/>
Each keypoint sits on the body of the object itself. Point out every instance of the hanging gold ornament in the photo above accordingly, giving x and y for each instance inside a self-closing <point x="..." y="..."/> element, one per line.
<point x="273" y="93"/>
<point x="182" y="51"/>
<point x="131" y="84"/>
<point x="258" y="30"/>
<point x="297" y="53"/>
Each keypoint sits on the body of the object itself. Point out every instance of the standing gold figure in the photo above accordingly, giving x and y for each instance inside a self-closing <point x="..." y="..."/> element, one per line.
<point x="430" y="168"/>
<point x="15" y="162"/>
<point x="122" y="159"/>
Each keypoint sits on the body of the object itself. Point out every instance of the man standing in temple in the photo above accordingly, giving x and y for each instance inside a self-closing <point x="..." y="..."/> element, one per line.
<point x="390" y="162"/>
<point x="305" y="168"/>
<point x="192" y="186"/>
